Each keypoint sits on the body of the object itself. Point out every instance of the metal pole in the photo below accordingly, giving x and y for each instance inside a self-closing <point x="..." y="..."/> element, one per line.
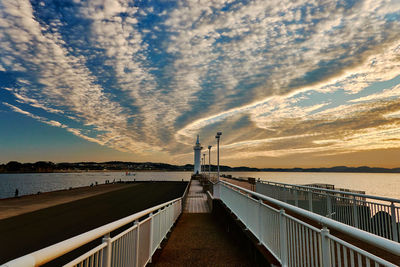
<point x="204" y="162"/>
<point x="218" y="157"/>
<point x="218" y="136"/>
<point x="209" y="162"/>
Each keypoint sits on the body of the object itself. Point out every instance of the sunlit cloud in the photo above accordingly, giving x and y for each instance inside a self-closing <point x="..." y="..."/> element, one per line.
<point x="278" y="78"/>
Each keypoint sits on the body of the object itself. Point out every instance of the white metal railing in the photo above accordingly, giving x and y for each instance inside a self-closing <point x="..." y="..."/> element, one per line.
<point x="377" y="215"/>
<point x="296" y="243"/>
<point x="132" y="247"/>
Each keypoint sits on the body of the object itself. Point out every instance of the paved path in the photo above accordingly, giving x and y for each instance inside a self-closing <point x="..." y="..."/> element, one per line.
<point x="196" y="201"/>
<point x="198" y="240"/>
<point x="19" y="205"/>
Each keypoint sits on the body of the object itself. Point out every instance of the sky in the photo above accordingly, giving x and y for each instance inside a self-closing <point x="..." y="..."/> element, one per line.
<point x="288" y="83"/>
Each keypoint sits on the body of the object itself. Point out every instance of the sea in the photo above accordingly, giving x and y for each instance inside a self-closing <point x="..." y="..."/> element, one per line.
<point x="378" y="184"/>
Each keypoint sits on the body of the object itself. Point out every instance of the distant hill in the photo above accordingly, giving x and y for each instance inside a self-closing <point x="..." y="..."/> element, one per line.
<point x="47" y="166"/>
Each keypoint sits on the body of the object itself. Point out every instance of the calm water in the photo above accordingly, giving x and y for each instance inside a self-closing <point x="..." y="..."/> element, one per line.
<point x="31" y="183"/>
<point x="379" y="184"/>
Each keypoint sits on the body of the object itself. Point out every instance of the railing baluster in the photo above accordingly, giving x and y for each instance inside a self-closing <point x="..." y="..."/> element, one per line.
<point x="359" y="260"/>
<point x="352" y="258"/>
<point x="345" y="257"/>
<point x="306" y="232"/>
<point x="395" y="229"/>
<point x="282" y="237"/>
<point x="339" y="258"/>
<point x="355" y="213"/>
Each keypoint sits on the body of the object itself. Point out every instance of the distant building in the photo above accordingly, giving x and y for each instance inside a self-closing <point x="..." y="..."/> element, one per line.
<point x="197" y="154"/>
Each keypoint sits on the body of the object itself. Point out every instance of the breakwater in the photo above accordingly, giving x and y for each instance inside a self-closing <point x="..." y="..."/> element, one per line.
<point x="54" y="224"/>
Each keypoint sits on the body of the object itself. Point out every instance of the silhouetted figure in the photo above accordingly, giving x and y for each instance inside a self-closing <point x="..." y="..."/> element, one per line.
<point x="16" y="192"/>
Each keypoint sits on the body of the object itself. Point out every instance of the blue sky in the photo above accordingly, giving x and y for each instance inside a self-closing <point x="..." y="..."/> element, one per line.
<point x="289" y="83"/>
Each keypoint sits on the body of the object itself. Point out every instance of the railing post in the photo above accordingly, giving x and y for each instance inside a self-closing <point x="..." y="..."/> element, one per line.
<point x="151" y="236"/>
<point x="107" y="252"/>
<point x="284" y="197"/>
<point x="395" y="229"/>
<point x="310" y="201"/>
<point x="283" y="238"/>
<point x="137" y="243"/>
<point x="296" y="197"/>
<point x="325" y="247"/>
<point x="329" y="205"/>
<point x="355" y="213"/>
<point x="160" y="226"/>
<point x="260" y="226"/>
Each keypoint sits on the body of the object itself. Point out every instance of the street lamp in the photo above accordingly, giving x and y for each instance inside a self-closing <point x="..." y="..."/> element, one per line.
<point x="209" y="162"/>
<point x="218" y="136"/>
<point x="204" y="162"/>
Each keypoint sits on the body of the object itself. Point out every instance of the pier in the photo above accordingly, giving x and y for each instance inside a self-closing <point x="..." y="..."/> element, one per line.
<point x="224" y="223"/>
<point x="198" y="239"/>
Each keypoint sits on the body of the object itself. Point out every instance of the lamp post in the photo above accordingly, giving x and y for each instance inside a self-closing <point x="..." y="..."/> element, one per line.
<point x="218" y="136"/>
<point x="204" y="162"/>
<point x="209" y="162"/>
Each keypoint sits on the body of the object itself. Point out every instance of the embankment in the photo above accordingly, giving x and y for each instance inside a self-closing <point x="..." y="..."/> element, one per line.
<point x="31" y="231"/>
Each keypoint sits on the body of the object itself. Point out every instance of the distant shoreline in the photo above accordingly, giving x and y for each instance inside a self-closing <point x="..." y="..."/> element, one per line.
<point x="121" y="166"/>
<point x="313" y="170"/>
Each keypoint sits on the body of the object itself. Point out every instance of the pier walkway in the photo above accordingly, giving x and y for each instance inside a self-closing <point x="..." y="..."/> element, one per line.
<point x="198" y="239"/>
<point x="196" y="201"/>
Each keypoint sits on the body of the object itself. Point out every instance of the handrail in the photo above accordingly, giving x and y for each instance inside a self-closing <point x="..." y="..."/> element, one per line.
<point x="334" y="191"/>
<point x="385" y="244"/>
<point x="49" y="253"/>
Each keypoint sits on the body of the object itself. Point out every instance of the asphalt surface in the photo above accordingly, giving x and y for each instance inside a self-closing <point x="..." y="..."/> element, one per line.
<point x="10" y="207"/>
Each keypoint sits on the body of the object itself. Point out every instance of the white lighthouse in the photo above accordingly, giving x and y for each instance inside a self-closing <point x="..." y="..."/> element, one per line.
<point x="197" y="154"/>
